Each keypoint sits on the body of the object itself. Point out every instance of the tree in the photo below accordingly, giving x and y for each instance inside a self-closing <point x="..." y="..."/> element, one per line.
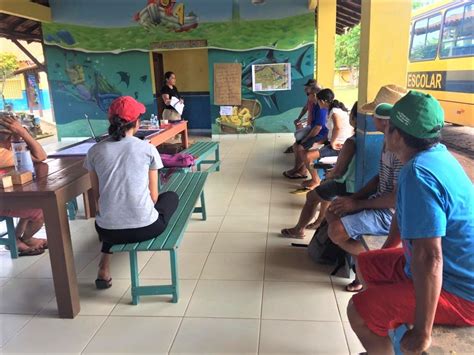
<point x="348" y="50"/>
<point x="8" y="64"/>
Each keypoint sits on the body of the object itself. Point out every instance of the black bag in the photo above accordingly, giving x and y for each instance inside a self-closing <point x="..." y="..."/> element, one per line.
<point x="322" y="250"/>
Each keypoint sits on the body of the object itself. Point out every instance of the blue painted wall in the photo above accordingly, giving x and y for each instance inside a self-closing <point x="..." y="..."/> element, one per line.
<point x="22" y="104"/>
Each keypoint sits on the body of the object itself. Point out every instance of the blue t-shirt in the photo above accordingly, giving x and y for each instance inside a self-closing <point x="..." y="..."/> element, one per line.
<point x="319" y="119"/>
<point x="436" y="199"/>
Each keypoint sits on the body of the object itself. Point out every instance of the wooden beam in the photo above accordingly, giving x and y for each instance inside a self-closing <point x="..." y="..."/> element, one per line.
<point x="348" y="13"/>
<point x="19" y="35"/>
<point x="345" y="23"/>
<point x="347" y="19"/>
<point x="26" y="9"/>
<point x="16" y="23"/>
<point x="33" y="28"/>
<point x="27" y="52"/>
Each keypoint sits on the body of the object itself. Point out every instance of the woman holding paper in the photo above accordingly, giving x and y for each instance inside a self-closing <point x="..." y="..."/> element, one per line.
<point x="174" y="103"/>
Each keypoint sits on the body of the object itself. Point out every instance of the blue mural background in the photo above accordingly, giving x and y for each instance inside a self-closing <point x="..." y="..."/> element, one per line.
<point x="86" y="83"/>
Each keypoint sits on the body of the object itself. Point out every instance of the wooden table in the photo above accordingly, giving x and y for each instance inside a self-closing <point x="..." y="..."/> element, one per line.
<point x="57" y="182"/>
<point x="170" y="131"/>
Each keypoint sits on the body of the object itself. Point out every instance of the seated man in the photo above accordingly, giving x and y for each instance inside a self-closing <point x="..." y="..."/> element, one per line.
<point x="339" y="181"/>
<point x="368" y="211"/>
<point x="31" y="220"/>
<point x="317" y="134"/>
<point x="431" y="280"/>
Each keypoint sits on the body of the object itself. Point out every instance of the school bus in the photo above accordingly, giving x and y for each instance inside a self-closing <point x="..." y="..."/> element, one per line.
<point x="441" y="57"/>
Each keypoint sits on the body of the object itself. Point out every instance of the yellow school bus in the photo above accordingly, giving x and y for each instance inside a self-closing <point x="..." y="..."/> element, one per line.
<point x="441" y="57"/>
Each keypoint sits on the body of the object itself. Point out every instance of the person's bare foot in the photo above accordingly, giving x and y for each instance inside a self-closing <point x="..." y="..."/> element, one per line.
<point x="21" y="246"/>
<point x="292" y="233"/>
<point x="315" y="224"/>
<point x="309" y="184"/>
<point x="35" y="243"/>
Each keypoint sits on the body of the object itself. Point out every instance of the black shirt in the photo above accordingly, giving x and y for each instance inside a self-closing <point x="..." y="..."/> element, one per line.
<point x="171" y="92"/>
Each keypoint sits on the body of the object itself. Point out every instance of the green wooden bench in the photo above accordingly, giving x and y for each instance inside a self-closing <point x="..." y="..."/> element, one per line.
<point x="189" y="187"/>
<point x="201" y="150"/>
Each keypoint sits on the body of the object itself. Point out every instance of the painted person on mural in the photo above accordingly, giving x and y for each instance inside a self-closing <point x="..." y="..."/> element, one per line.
<point x="30" y="220"/>
<point x="317" y="135"/>
<point x="304" y="126"/>
<point x="431" y="279"/>
<point x="168" y="91"/>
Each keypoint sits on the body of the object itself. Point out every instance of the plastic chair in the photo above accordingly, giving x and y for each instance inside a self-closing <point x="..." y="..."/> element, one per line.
<point x="8" y="238"/>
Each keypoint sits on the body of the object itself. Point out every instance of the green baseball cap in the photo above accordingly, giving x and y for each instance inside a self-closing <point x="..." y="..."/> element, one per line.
<point x="418" y="114"/>
<point x="382" y="111"/>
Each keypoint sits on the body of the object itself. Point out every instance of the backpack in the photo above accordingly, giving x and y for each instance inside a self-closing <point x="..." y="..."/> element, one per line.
<point x="179" y="160"/>
<point x="322" y="250"/>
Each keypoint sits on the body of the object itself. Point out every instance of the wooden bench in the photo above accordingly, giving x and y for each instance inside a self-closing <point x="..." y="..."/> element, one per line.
<point x="189" y="187"/>
<point x="201" y="150"/>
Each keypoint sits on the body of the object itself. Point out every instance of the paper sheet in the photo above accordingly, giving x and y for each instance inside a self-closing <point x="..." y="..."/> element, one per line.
<point x="178" y="106"/>
<point x="226" y="111"/>
<point x="77" y="150"/>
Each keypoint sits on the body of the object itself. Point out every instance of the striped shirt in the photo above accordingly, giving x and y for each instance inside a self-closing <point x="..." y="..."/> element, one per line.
<point x="389" y="169"/>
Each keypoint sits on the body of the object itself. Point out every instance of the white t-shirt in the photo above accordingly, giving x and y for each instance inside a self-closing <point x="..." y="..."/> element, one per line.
<point x="346" y="130"/>
<point x="122" y="168"/>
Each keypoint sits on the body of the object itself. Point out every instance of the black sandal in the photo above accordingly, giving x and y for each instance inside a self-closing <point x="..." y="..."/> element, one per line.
<point x="30" y="252"/>
<point x="102" y="284"/>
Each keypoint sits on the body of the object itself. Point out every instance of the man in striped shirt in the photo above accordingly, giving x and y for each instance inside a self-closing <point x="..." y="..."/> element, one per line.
<point x="370" y="210"/>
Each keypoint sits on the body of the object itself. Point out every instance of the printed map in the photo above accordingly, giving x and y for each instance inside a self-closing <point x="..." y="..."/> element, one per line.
<point x="271" y="77"/>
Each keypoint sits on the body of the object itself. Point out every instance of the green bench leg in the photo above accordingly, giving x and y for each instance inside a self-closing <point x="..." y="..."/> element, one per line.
<point x="203" y="206"/>
<point x="174" y="275"/>
<point x="134" y="277"/>
<point x="218" y="159"/>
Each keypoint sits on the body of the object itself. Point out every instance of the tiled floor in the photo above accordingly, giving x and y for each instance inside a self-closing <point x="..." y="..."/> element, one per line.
<point x="244" y="289"/>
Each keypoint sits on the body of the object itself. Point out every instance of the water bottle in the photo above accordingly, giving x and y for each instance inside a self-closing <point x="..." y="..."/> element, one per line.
<point x="22" y="156"/>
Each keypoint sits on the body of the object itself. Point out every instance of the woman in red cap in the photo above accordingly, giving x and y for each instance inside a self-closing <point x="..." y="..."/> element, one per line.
<point x="124" y="175"/>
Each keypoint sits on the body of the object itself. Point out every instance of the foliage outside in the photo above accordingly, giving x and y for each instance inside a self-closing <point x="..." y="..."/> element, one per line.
<point x="348" y="50"/>
<point x="8" y="64"/>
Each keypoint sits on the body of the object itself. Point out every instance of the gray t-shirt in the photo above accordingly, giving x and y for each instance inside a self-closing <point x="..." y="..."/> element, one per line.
<point x="122" y="167"/>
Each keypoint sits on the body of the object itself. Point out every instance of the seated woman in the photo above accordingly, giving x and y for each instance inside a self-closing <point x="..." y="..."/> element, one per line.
<point x="124" y="176"/>
<point x="317" y="134"/>
<point x="340" y="181"/>
<point x="339" y="129"/>
<point x="31" y="220"/>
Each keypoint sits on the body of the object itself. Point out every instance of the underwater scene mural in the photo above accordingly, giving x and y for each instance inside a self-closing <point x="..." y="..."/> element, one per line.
<point x="86" y="83"/>
<point x="263" y="111"/>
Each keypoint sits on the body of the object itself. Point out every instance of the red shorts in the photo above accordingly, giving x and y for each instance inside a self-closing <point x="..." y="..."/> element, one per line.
<point x="34" y="214"/>
<point x="389" y="299"/>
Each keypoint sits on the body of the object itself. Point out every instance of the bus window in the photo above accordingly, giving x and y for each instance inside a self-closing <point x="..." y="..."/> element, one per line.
<point x="458" y="29"/>
<point x="425" y="38"/>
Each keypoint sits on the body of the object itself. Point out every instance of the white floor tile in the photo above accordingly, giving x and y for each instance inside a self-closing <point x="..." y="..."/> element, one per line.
<point x="212" y="224"/>
<point x="25" y="296"/>
<point x="197" y="242"/>
<point x="10" y="325"/>
<point x="234" y="266"/>
<point x="3" y="281"/>
<point x="226" y="299"/>
<point x="295" y="265"/>
<point x="245" y="224"/>
<point x="240" y="243"/>
<point x="302" y="337"/>
<point x="156" y="306"/>
<point x="134" y="335"/>
<point x="189" y="266"/>
<point x="48" y="336"/>
<point x="354" y="343"/>
<point x="217" y="336"/>
<point x="342" y="296"/>
<point x="12" y="267"/>
<point x="299" y="301"/>
<point x="94" y="302"/>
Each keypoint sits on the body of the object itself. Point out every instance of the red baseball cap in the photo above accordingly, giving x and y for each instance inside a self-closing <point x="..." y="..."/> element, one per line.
<point x="127" y="108"/>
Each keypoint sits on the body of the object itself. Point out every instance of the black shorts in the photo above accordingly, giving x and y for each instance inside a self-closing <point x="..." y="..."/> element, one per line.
<point x="327" y="151"/>
<point x="310" y="141"/>
<point x="328" y="190"/>
<point x="166" y="206"/>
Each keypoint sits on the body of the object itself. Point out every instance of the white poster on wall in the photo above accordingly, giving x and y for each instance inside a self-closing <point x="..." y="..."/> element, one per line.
<point x="271" y="77"/>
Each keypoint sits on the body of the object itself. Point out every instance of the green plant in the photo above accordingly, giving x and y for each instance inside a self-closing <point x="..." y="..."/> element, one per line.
<point x="8" y="65"/>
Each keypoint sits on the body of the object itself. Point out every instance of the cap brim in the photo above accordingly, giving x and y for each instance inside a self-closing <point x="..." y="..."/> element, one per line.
<point x="382" y="111"/>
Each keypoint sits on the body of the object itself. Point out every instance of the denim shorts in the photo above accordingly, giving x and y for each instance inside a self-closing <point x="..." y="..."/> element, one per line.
<point x="371" y="222"/>
<point x="327" y="151"/>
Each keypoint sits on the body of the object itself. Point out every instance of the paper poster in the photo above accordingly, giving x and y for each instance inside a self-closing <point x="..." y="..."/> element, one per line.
<point x="227" y="84"/>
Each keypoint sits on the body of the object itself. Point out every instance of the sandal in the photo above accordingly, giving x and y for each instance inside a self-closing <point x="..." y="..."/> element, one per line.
<point x="300" y="191"/>
<point x="102" y="284"/>
<point x="287" y="234"/>
<point x="314" y="225"/>
<point x="354" y="286"/>
<point x="288" y="150"/>
<point x="297" y="176"/>
<point x="30" y="252"/>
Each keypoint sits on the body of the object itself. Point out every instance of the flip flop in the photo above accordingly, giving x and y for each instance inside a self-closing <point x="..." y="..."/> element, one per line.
<point x="289" y="176"/>
<point x="288" y="150"/>
<point x="354" y="286"/>
<point x="300" y="191"/>
<point x="30" y="252"/>
<point x="287" y="234"/>
<point x="102" y="284"/>
<point x="313" y="225"/>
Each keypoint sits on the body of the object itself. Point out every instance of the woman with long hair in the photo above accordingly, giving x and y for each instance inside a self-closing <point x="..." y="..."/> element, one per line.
<point x="168" y="91"/>
<point x="124" y="176"/>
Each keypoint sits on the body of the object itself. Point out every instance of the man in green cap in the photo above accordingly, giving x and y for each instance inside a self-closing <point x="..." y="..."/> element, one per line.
<point x="431" y="280"/>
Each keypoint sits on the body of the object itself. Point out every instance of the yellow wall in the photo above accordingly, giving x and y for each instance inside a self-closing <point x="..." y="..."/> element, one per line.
<point x="27" y="9"/>
<point x="325" y="42"/>
<point x="385" y="26"/>
<point x="191" y="68"/>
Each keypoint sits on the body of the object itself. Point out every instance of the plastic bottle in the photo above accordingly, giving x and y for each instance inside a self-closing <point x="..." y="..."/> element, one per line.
<point x="22" y="156"/>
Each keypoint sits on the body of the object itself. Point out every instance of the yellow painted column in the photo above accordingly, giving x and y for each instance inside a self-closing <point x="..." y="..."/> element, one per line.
<point x="385" y="27"/>
<point x="27" y="9"/>
<point x="325" y="42"/>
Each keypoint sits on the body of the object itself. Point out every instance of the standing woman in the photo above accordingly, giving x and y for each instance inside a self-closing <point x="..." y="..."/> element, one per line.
<point x="167" y="92"/>
<point x="124" y="176"/>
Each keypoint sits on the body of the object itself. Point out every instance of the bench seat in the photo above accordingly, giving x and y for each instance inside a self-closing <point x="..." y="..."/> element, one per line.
<point x="189" y="187"/>
<point x="201" y="150"/>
